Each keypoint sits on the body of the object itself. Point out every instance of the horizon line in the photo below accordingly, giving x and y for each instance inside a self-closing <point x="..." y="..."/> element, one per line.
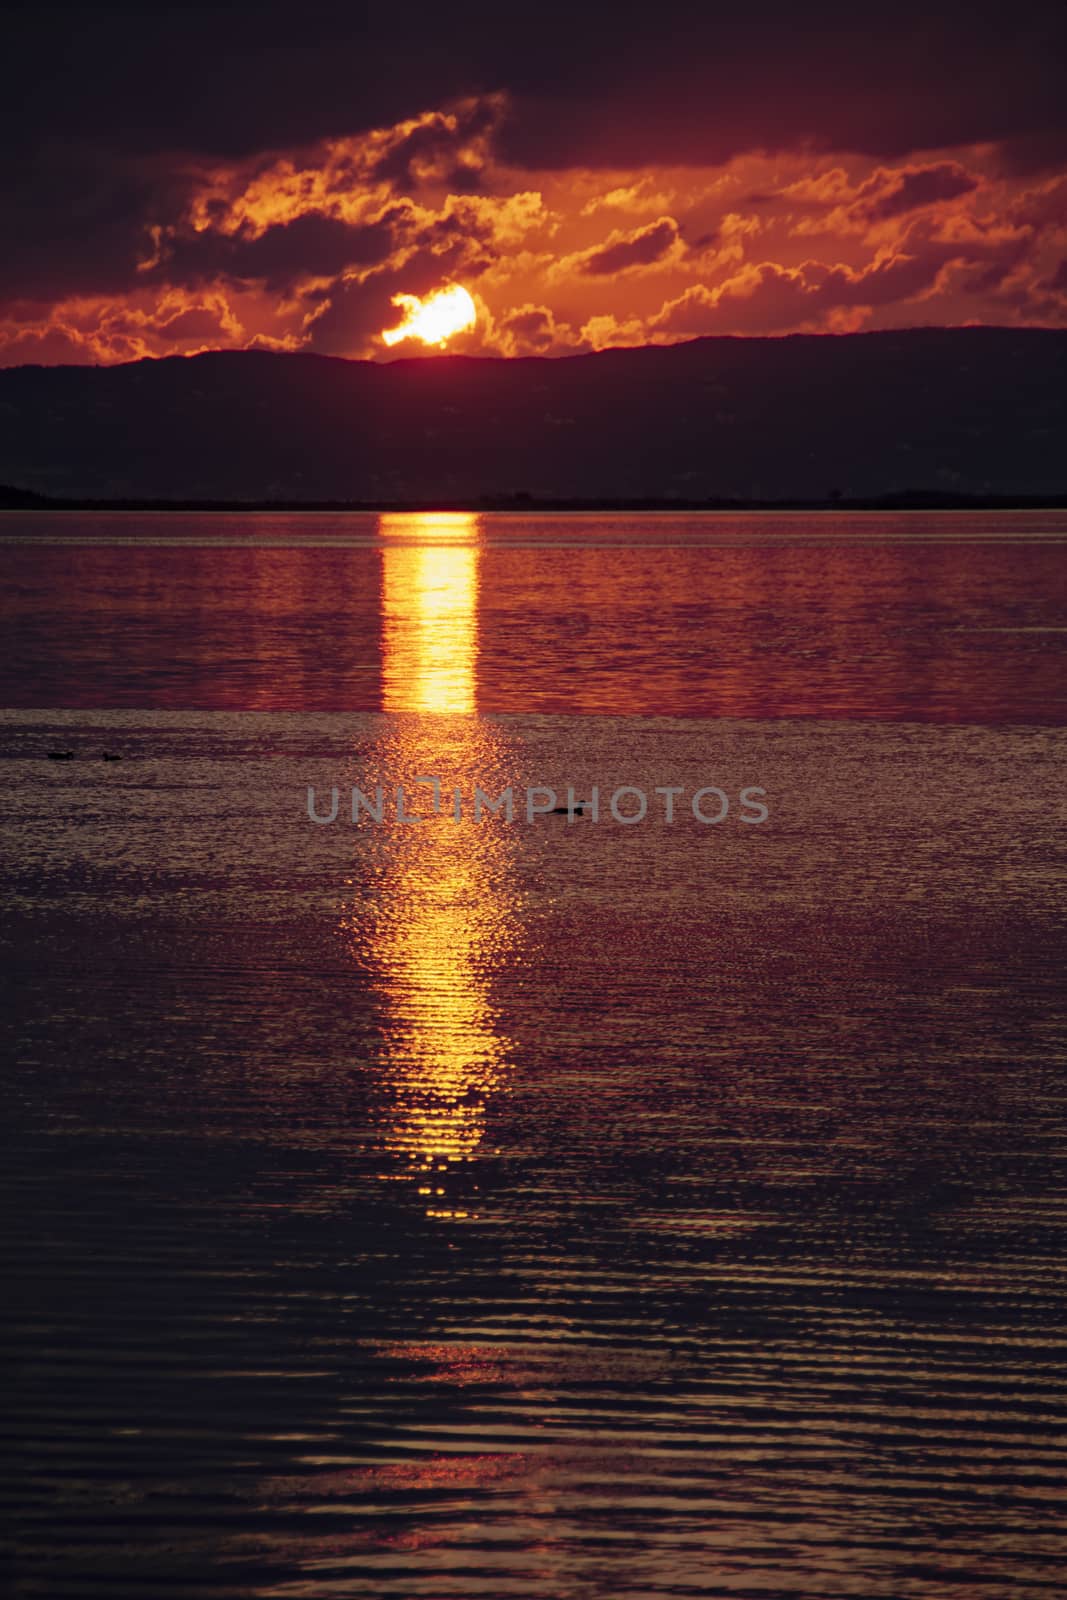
<point x="434" y="355"/>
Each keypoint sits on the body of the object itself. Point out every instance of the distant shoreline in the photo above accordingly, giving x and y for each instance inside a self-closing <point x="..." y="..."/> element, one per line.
<point x="12" y="499"/>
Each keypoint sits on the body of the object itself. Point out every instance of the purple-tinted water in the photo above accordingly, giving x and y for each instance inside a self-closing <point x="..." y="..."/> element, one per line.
<point x="948" y="618"/>
<point x="580" y="1210"/>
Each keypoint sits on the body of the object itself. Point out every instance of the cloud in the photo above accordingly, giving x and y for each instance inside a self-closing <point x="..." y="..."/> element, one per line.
<point x="890" y="194"/>
<point x="104" y="331"/>
<point x="1043" y="206"/>
<point x="441" y="148"/>
<point x="625" y="250"/>
<point x="830" y="202"/>
<point x="724" y="176"/>
<point x="280" y="255"/>
<point x="79" y="219"/>
<point x="533" y="331"/>
<point x="609" y="332"/>
<point x="768" y="297"/>
<point x="682" y="82"/>
<point x="636" y="198"/>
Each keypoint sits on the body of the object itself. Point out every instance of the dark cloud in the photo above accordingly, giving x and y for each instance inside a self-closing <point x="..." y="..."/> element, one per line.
<point x="770" y="297"/>
<point x="533" y="331"/>
<point x="533" y="324"/>
<point x="639" y="249"/>
<point x="427" y="152"/>
<point x="278" y="256"/>
<point x="78" y="219"/>
<point x="687" y="80"/>
<point x="1043" y="207"/>
<point x="1034" y="153"/>
<point x="203" y="323"/>
<point x="701" y="83"/>
<point x="881" y="197"/>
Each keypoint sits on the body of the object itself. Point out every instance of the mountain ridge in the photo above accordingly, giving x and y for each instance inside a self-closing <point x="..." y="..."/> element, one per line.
<point x="967" y="412"/>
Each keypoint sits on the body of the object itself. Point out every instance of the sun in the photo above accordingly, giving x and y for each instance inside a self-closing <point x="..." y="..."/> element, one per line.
<point x="434" y="320"/>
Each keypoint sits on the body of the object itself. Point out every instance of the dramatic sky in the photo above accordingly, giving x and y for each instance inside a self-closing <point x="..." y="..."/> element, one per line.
<point x="177" y="179"/>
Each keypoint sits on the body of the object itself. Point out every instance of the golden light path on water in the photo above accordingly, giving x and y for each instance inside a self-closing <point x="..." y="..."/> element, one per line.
<point x="446" y="915"/>
<point x="429" y="612"/>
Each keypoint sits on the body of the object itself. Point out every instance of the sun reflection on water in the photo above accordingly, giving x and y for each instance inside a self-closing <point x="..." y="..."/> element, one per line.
<point x="429" y="612"/>
<point x="445" y="1056"/>
<point x="447" y="915"/>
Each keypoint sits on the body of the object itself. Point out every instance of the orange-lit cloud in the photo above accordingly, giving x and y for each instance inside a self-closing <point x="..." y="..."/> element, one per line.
<point x="309" y="247"/>
<point x="641" y="248"/>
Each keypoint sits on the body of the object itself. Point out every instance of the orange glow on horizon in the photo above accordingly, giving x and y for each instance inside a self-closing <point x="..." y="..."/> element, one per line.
<point x="434" y="320"/>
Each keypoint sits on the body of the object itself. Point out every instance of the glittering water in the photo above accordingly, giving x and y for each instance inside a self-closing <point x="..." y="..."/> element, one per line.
<point x="559" y="1209"/>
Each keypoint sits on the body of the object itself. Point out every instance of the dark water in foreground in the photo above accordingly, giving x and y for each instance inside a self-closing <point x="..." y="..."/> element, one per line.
<point x="555" y="1210"/>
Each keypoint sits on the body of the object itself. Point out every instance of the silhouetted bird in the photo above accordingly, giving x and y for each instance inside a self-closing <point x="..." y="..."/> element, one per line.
<point x="107" y="756"/>
<point x="61" y="755"/>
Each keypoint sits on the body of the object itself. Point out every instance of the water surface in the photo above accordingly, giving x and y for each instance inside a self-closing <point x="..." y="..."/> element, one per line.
<point x="950" y="617"/>
<point x="565" y="1209"/>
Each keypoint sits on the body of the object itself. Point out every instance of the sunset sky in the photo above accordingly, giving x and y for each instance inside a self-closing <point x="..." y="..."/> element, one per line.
<point x="274" y="176"/>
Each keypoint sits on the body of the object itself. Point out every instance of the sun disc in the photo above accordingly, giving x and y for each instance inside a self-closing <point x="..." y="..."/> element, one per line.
<point x="434" y="320"/>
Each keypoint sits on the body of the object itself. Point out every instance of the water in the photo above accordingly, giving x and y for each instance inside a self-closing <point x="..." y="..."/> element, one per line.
<point x="553" y="1209"/>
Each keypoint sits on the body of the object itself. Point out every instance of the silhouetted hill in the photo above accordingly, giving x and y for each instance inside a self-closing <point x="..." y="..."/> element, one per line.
<point x="968" y="411"/>
<point x="12" y="499"/>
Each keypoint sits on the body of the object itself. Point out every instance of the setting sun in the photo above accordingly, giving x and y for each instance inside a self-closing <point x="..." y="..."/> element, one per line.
<point x="433" y="320"/>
